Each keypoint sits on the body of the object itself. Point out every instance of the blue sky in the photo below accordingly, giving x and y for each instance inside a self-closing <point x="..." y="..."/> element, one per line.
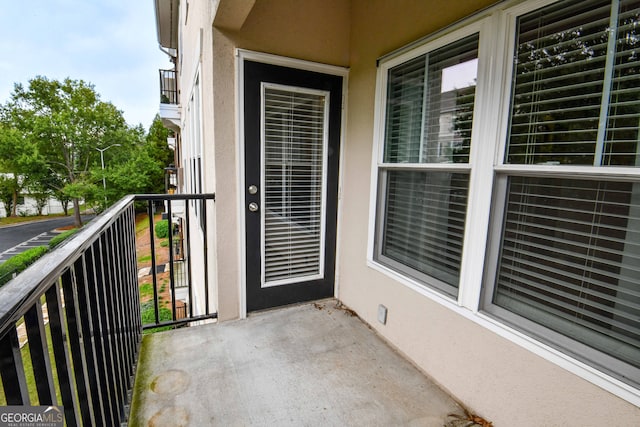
<point x="109" y="43"/>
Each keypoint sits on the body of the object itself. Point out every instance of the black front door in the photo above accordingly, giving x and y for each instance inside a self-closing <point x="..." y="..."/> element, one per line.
<point x="292" y="135"/>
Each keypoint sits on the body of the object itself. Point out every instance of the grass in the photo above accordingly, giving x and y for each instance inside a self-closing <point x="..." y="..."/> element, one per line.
<point x="144" y="258"/>
<point x="142" y="223"/>
<point x="20" y="219"/>
<point x="149" y="317"/>
<point x="146" y="291"/>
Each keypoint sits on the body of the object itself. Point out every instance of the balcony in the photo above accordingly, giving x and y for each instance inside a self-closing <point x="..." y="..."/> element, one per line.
<point x="169" y="101"/>
<point x="79" y="311"/>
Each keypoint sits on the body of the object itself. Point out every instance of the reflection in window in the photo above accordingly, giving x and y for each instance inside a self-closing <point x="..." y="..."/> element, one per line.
<point x="430" y="106"/>
<point x="571" y="102"/>
<point x="570" y="256"/>
<point x="430" y="101"/>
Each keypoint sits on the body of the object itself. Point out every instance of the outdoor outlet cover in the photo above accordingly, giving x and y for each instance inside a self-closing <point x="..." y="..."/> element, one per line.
<point x="382" y="314"/>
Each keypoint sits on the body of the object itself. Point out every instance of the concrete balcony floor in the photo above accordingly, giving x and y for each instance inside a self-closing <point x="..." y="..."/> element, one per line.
<point x="307" y="365"/>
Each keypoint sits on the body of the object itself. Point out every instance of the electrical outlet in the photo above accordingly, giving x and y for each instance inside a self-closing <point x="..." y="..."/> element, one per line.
<point x="382" y="314"/>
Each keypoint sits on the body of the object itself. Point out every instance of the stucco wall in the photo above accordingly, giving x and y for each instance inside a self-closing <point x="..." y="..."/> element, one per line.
<point x="319" y="31"/>
<point x="196" y="59"/>
<point x="491" y="375"/>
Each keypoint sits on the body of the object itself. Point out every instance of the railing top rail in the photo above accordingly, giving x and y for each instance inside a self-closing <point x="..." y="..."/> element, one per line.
<point x="208" y="196"/>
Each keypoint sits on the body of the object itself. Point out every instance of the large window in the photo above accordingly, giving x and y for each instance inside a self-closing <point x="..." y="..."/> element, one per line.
<point x="508" y="175"/>
<point x="567" y="247"/>
<point x="424" y="170"/>
<point x="575" y="85"/>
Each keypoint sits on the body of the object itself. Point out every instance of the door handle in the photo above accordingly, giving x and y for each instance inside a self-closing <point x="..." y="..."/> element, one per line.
<point x="253" y="207"/>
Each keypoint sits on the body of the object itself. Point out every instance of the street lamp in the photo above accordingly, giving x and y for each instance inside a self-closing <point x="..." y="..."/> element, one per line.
<point x="104" y="180"/>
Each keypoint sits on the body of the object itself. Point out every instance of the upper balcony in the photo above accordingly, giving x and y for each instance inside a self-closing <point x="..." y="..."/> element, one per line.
<point x="169" y="102"/>
<point x="71" y="334"/>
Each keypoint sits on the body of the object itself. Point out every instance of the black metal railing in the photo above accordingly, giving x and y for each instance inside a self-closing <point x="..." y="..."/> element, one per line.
<point x="178" y="268"/>
<point x="78" y="311"/>
<point x="168" y="87"/>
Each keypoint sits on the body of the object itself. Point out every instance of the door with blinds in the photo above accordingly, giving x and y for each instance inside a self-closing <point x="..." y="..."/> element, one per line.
<point x="292" y="134"/>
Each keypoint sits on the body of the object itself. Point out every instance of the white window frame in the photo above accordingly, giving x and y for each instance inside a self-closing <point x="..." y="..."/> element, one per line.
<point x="194" y="143"/>
<point x="477" y="155"/>
<point x="497" y="28"/>
<point x="503" y="172"/>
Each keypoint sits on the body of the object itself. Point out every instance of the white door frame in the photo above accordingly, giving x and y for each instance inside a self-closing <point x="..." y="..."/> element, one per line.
<point x="241" y="56"/>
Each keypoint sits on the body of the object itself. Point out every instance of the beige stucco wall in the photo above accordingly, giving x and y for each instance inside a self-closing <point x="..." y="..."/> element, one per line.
<point x="318" y="32"/>
<point x="196" y="58"/>
<point x="489" y="374"/>
<point x="492" y="376"/>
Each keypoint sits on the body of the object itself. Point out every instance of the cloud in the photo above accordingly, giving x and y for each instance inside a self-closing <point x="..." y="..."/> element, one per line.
<point x="109" y="43"/>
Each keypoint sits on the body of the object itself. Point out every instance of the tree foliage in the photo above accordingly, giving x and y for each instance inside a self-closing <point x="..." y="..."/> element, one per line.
<point x="66" y="121"/>
<point x="138" y="166"/>
<point x="52" y="135"/>
<point x="157" y="143"/>
<point x="16" y="159"/>
<point x="8" y="190"/>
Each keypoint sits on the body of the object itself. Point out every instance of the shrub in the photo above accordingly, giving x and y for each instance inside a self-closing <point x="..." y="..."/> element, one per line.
<point x="20" y="262"/>
<point x="62" y="237"/>
<point x="162" y="229"/>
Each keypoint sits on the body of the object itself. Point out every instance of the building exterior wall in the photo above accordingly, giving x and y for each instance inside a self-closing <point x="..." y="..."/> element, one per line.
<point x="27" y="204"/>
<point x="194" y="65"/>
<point x="318" y="32"/>
<point x="491" y="374"/>
<point x="29" y="207"/>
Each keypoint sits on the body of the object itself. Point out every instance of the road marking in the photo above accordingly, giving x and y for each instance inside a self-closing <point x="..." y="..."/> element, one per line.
<point x="41" y="239"/>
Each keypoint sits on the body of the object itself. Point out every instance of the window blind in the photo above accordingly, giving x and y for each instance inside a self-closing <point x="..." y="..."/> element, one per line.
<point x="424" y="221"/>
<point x="293" y="150"/>
<point x="575" y="85"/>
<point x="429" y="116"/>
<point x="571" y="260"/>
<point x="430" y="106"/>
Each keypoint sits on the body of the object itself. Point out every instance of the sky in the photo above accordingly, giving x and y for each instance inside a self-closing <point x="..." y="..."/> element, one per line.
<point x="111" y="44"/>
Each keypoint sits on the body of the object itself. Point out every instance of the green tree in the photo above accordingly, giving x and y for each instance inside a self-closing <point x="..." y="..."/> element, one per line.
<point x="157" y="143"/>
<point x="138" y="165"/>
<point x="40" y="192"/>
<point x="66" y="121"/>
<point x="8" y="190"/>
<point x="140" y="174"/>
<point x="16" y="159"/>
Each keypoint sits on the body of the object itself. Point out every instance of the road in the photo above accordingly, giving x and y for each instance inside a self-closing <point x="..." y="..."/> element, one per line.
<point x="18" y="238"/>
